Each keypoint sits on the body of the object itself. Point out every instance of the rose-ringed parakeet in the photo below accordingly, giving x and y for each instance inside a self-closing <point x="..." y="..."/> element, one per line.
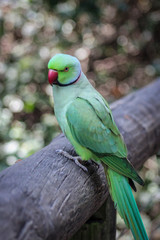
<point x="86" y="119"/>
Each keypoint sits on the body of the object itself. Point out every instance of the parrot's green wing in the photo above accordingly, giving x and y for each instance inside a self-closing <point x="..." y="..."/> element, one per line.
<point x="93" y="127"/>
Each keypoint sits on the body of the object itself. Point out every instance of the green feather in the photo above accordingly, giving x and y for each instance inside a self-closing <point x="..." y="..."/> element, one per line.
<point x="123" y="198"/>
<point x="122" y="166"/>
<point x="93" y="130"/>
<point x="90" y="131"/>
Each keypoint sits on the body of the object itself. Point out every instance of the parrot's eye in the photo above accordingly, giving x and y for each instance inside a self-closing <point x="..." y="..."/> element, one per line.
<point x="66" y="69"/>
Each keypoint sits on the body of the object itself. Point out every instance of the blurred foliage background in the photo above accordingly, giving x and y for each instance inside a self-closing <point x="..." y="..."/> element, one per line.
<point x="117" y="42"/>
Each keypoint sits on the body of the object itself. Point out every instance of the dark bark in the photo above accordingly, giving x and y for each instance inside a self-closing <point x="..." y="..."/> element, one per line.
<point x="101" y="225"/>
<point x="48" y="197"/>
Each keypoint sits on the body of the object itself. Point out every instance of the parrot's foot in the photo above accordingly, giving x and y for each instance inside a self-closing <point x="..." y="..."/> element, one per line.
<point x="78" y="161"/>
<point x="94" y="163"/>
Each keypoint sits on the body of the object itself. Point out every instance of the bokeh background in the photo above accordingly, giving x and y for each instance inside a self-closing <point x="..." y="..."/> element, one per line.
<point x="118" y="44"/>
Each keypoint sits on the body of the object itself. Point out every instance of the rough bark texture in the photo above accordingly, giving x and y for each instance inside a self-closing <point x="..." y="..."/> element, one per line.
<point x="101" y="225"/>
<point x="47" y="196"/>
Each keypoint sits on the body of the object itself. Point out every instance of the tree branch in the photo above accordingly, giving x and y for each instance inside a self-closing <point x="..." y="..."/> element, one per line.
<point x="48" y="197"/>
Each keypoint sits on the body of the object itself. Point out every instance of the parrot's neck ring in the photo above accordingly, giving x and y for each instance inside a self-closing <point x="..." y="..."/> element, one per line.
<point x="67" y="84"/>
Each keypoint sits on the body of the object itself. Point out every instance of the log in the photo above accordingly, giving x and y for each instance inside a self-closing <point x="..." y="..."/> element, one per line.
<point x="47" y="196"/>
<point x="101" y="225"/>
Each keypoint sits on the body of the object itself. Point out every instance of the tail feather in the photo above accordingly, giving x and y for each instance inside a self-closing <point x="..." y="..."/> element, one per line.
<point x="122" y="196"/>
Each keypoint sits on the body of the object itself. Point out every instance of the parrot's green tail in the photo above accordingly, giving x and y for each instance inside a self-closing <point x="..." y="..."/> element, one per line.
<point x="122" y="196"/>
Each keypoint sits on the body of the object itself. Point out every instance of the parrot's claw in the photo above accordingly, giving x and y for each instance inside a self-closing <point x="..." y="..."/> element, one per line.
<point x="76" y="159"/>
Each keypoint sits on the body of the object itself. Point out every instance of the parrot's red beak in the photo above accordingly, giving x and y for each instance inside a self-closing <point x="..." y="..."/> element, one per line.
<point x="52" y="76"/>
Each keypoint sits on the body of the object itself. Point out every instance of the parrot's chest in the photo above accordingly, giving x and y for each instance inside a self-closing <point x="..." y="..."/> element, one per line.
<point x="62" y="99"/>
<point x="62" y="120"/>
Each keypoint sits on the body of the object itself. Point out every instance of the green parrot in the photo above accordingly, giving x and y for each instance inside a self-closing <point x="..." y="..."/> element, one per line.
<point x="86" y="119"/>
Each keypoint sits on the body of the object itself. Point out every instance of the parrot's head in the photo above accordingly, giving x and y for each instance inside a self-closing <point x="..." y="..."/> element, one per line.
<point x="64" y="70"/>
